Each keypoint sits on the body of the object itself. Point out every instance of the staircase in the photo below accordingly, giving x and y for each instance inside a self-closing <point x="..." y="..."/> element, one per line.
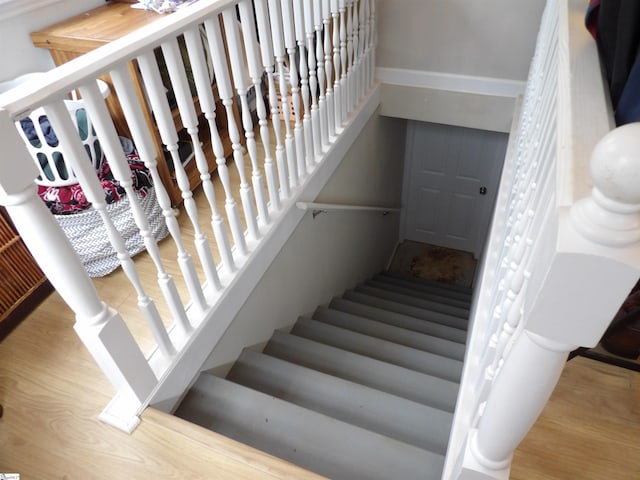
<point x="363" y="388"/>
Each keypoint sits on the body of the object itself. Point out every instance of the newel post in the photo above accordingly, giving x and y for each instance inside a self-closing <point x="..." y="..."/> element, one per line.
<point x="101" y="328"/>
<point x="592" y="266"/>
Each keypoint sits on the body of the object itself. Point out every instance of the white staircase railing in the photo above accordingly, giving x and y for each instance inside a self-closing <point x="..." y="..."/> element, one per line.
<point x="315" y="59"/>
<point x="563" y="252"/>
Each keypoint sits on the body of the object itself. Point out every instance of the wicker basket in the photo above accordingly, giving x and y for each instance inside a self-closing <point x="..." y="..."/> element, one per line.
<point x="90" y="240"/>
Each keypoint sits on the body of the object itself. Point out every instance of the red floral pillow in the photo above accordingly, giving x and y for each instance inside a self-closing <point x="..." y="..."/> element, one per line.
<point x="71" y="199"/>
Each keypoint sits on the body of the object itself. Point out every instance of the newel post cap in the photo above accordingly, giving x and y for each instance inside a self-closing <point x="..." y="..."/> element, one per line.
<point x="611" y="215"/>
<point x="615" y="165"/>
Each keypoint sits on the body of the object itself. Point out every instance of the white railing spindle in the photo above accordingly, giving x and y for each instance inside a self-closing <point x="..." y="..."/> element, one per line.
<point x="277" y="34"/>
<point x="182" y="92"/>
<point x="291" y="43"/>
<point x="208" y="105"/>
<point x="309" y="33"/>
<point x="337" y="63"/>
<point x="328" y="68"/>
<point x="268" y="62"/>
<point x="255" y="72"/>
<point x="117" y="162"/>
<point x="166" y="127"/>
<point x="75" y="152"/>
<point x="241" y="83"/>
<point x="343" y="60"/>
<point x="307" y="119"/>
<point x="321" y="74"/>
<point x="223" y="82"/>
<point x="137" y="125"/>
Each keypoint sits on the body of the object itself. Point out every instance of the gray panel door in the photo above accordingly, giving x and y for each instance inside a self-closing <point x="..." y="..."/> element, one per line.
<point x="451" y="179"/>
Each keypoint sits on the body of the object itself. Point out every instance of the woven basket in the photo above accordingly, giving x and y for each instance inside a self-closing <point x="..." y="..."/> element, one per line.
<point x="90" y="240"/>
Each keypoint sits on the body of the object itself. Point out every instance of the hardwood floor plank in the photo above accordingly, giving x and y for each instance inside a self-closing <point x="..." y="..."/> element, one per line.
<point x="589" y="430"/>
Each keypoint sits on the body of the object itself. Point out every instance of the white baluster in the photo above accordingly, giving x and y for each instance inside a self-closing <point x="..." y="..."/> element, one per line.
<point x="290" y="42"/>
<point x="299" y="23"/>
<point x="223" y="82"/>
<point x="182" y="92"/>
<point x="100" y="120"/>
<point x="321" y="76"/>
<point x="100" y="328"/>
<point x="337" y="62"/>
<point x="275" y="15"/>
<point x="166" y="127"/>
<point x="140" y="133"/>
<point x="255" y="72"/>
<point x="75" y="153"/>
<point x="361" y="87"/>
<point x="309" y="32"/>
<point x="374" y="40"/>
<point x="208" y="105"/>
<point x="350" y="55"/>
<point x="343" y="61"/>
<point x="328" y="67"/>
<point x="355" y="78"/>
<point x="240" y="80"/>
<point x="266" y="48"/>
<point x="367" y="80"/>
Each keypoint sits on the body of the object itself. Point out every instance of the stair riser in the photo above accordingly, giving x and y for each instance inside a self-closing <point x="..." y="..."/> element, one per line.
<point x="412" y="385"/>
<point x="399" y="320"/>
<point x="390" y="333"/>
<point x="386" y="414"/>
<point x="424" y="362"/>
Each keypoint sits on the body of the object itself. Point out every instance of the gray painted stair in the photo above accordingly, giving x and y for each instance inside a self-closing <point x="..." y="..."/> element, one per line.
<point x="401" y="381"/>
<point x="365" y="388"/>
<point x="398" y="307"/>
<point x="406" y="322"/>
<point x="384" y="331"/>
<point x="425" y="304"/>
<point x="421" y="282"/>
<point x="418" y="360"/>
<point x="390" y="415"/>
<point x="434" y="297"/>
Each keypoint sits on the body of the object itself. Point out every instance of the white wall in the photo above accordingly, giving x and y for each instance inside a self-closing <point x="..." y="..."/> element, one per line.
<point x="455" y="62"/>
<point x="18" y="55"/>
<point x="493" y="38"/>
<point x="334" y="251"/>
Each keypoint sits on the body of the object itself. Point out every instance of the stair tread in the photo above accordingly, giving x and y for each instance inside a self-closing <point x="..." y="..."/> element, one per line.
<point x="419" y="294"/>
<point x="392" y="333"/>
<point x="434" y="306"/>
<point x="412" y="310"/>
<point x="399" y="319"/>
<point x="295" y="434"/>
<point x="387" y="414"/>
<point x="414" y="359"/>
<point x="424" y="281"/>
<point x="400" y="381"/>
<point x="416" y="284"/>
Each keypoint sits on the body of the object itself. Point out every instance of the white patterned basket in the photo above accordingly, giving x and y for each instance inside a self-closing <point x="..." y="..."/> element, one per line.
<point x="90" y="240"/>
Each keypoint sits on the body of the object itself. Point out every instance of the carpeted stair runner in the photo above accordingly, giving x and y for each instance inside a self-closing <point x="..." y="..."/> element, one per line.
<point x="363" y="388"/>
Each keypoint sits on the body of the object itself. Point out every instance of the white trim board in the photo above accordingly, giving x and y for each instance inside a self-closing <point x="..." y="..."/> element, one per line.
<point x="451" y="82"/>
<point x="464" y="101"/>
